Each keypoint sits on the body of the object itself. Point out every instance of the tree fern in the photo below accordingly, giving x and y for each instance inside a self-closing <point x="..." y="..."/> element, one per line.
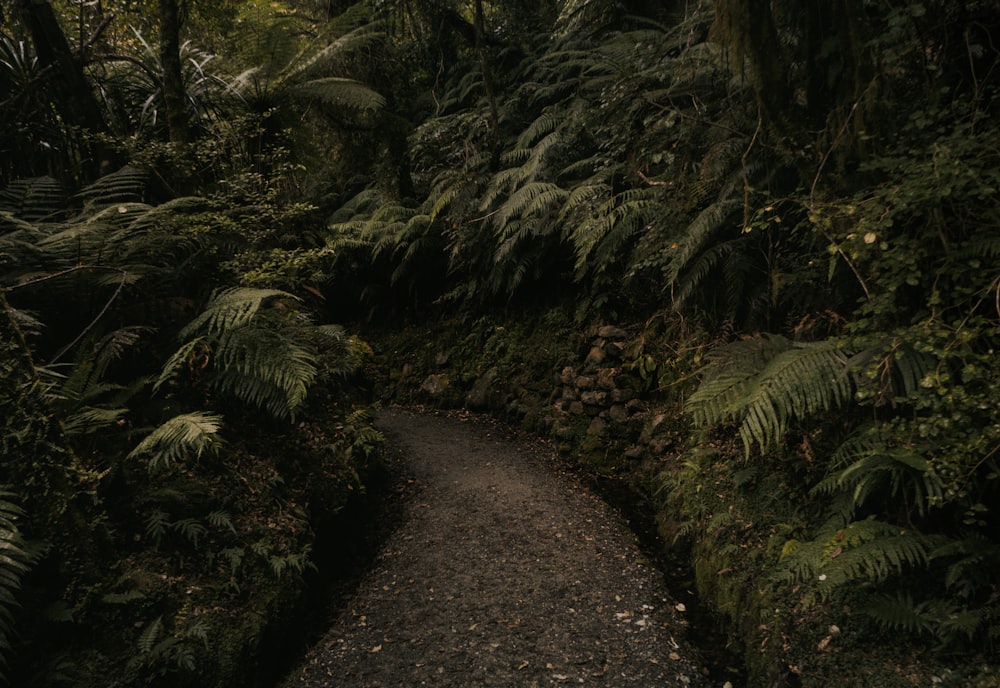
<point x="341" y="92"/>
<point x="126" y="185"/>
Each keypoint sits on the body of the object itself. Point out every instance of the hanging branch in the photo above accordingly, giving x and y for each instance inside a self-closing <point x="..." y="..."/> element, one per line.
<point x="118" y="290"/>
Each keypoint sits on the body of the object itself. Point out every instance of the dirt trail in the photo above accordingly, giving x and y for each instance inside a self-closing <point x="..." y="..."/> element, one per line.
<point x="505" y="572"/>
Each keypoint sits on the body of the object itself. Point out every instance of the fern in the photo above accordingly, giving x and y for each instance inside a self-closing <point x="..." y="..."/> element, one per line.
<point x="867" y="465"/>
<point x="766" y="383"/>
<point x="868" y="551"/>
<point x="127" y="185"/>
<point x="231" y="309"/>
<point x="35" y="200"/>
<point x="256" y="349"/>
<point x="341" y="92"/>
<point x="15" y="562"/>
<point x="150" y="634"/>
<point x="179" y="438"/>
<point x="943" y="620"/>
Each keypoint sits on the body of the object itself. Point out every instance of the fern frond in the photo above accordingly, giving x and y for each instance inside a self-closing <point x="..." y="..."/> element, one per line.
<point x="265" y="367"/>
<point x="90" y="419"/>
<point x="149" y="635"/>
<point x="797" y="383"/>
<point x="191" y="529"/>
<point x="528" y="200"/>
<point x="15" y="562"/>
<point x="767" y="382"/>
<point x="599" y="238"/>
<point x="544" y="124"/>
<point x="728" y="376"/>
<point x="183" y="357"/>
<point x="698" y="234"/>
<point x="867" y="465"/>
<point x="359" y="38"/>
<point x="868" y="551"/>
<point x="156" y="525"/>
<point x="221" y="519"/>
<point x="341" y="92"/>
<point x="898" y="613"/>
<point x="36" y="199"/>
<point x="126" y="185"/>
<point x="180" y="437"/>
<point x="230" y="309"/>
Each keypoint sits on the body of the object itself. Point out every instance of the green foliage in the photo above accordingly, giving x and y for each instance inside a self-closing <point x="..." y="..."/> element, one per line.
<point x="15" y="562"/>
<point x="767" y="383"/>
<point x="264" y="356"/>
<point x="181" y="437"/>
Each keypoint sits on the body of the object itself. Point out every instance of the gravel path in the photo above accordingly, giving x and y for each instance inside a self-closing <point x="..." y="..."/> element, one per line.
<point x="505" y="572"/>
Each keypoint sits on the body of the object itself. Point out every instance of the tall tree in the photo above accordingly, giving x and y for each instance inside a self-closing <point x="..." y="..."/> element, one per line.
<point x="173" y="81"/>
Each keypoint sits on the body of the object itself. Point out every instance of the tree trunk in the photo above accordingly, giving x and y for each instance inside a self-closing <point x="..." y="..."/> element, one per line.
<point x="73" y="98"/>
<point x="174" y="97"/>
<point x="494" y="134"/>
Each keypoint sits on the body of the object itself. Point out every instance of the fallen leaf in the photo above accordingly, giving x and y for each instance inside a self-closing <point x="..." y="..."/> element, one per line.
<point x="522" y="665"/>
<point x="377" y="648"/>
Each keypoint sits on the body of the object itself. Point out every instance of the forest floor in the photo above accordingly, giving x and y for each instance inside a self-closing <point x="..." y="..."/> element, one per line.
<point x="505" y="571"/>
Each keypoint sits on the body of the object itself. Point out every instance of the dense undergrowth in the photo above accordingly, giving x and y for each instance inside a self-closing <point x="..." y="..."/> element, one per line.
<point x="785" y="213"/>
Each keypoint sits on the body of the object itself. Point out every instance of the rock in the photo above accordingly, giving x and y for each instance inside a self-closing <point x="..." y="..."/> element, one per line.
<point x="606" y="378"/>
<point x="620" y="396"/>
<point x="482" y="393"/>
<point x="612" y="332"/>
<point x="595" y="357"/>
<point x="435" y="385"/>
<point x="617" y="413"/>
<point x="635" y="405"/>
<point x="576" y="408"/>
<point x="634" y="452"/>
<point x="568" y="375"/>
<point x="584" y="382"/>
<point x="594" y="398"/>
<point x="597" y="428"/>
<point x="441" y="360"/>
